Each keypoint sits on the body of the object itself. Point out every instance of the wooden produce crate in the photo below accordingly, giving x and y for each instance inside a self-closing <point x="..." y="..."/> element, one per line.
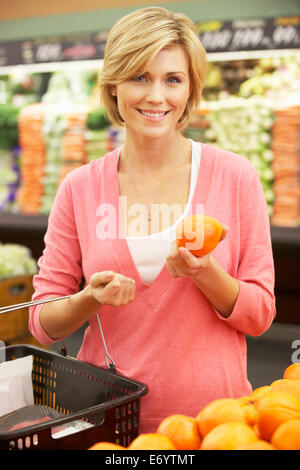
<point x="27" y="339"/>
<point x="15" y="290"/>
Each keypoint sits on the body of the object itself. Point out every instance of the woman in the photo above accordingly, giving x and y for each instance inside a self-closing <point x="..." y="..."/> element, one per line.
<point x="171" y="320"/>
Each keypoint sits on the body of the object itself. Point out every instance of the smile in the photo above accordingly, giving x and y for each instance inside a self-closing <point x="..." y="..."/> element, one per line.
<point x="154" y="115"/>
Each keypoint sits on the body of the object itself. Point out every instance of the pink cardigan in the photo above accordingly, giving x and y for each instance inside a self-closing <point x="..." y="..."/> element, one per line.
<point x="170" y="337"/>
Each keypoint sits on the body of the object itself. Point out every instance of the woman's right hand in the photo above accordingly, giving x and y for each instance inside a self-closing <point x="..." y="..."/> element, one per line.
<point x="110" y="288"/>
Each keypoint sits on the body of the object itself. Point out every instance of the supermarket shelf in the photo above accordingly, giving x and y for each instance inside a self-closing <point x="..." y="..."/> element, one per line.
<point x="15" y="228"/>
<point x="287" y="236"/>
<point x="27" y="230"/>
<point x="23" y="222"/>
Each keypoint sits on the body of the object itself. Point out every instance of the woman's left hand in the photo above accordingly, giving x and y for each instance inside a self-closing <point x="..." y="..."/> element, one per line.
<point x="182" y="263"/>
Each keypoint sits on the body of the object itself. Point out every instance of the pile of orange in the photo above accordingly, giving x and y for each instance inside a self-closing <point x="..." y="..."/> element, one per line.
<point x="268" y="419"/>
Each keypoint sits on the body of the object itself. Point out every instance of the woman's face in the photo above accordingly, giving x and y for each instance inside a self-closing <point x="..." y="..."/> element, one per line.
<point x="152" y="104"/>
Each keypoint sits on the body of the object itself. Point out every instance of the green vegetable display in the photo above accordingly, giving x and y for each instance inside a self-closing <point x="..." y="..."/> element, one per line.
<point x="53" y="129"/>
<point x="97" y="120"/>
<point x="8" y="126"/>
<point x="275" y="78"/>
<point x="97" y="134"/>
<point x="16" y="260"/>
<point x="243" y="126"/>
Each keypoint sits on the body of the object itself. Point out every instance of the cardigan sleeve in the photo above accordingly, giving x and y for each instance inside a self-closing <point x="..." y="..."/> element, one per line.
<point x="254" y="309"/>
<point x="60" y="269"/>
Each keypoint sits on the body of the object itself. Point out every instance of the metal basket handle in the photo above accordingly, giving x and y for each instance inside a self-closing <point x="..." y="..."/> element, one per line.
<point x="111" y="365"/>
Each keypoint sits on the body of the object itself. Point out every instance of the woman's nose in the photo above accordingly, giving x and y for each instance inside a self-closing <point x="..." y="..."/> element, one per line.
<point x="155" y="93"/>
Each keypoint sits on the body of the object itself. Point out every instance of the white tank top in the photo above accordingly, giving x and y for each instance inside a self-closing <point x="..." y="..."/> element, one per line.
<point x="149" y="253"/>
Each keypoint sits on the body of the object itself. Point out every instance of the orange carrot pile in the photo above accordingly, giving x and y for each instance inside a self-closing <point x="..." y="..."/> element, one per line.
<point x="73" y="143"/>
<point x="33" y="154"/>
<point x="286" y="167"/>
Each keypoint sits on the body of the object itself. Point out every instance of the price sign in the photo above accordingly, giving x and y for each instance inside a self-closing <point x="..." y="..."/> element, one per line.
<point x="216" y="36"/>
<point x="251" y="34"/>
<point x="285" y="36"/>
<point x="54" y="49"/>
<point x="48" y="52"/>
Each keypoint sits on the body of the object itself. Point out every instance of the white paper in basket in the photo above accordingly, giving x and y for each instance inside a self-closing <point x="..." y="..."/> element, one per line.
<point x="16" y="388"/>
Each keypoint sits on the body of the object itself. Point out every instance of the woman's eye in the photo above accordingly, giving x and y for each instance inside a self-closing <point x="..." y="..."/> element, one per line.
<point x="139" y="78"/>
<point x="174" y="80"/>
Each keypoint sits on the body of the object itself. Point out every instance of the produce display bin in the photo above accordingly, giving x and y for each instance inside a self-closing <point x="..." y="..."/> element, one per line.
<point x="106" y="402"/>
<point x="14" y="291"/>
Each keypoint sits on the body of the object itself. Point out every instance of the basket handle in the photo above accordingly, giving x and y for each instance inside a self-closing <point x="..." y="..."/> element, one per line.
<point x="111" y="365"/>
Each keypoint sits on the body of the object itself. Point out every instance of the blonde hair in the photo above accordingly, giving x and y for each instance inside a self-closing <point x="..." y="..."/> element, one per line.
<point x="134" y="41"/>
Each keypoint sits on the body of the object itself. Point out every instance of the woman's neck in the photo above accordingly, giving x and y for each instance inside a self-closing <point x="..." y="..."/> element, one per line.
<point x="152" y="155"/>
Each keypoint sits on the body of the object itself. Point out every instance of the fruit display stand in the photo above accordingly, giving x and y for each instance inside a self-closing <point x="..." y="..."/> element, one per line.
<point x="266" y="419"/>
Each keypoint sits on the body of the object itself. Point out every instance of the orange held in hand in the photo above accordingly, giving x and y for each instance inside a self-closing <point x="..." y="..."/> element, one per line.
<point x="200" y="234"/>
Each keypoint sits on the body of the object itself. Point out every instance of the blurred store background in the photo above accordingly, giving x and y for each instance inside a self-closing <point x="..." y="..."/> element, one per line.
<point x="51" y="121"/>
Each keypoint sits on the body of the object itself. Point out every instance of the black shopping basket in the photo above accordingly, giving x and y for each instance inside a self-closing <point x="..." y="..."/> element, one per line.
<point x="104" y="403"/>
